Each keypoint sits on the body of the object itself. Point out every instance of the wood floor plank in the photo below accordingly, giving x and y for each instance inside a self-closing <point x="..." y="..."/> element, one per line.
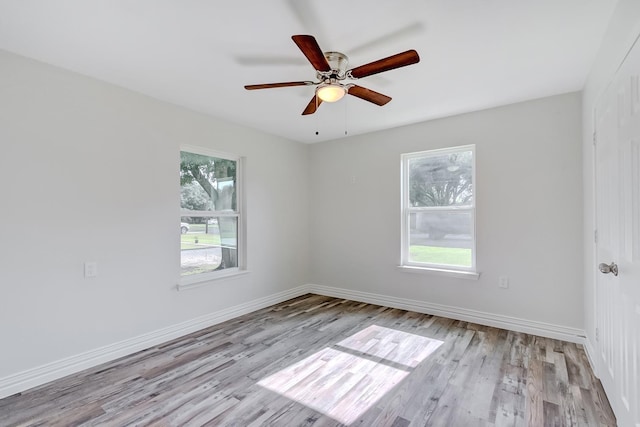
<point x="326" y="362"/>
<point x="534" y="408"/>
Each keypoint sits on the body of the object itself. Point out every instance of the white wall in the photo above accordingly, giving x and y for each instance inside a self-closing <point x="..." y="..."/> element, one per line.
<point x="89" y="171"/>
<point x="529" y="211"/>
<point x="623" y="29"/>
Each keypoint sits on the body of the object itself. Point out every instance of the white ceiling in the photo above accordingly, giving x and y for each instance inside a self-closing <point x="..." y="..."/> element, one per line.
<point x="199" y="54"/>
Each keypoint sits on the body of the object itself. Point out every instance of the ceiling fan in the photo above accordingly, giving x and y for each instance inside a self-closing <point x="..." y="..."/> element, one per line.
<point x="331" y="71"/>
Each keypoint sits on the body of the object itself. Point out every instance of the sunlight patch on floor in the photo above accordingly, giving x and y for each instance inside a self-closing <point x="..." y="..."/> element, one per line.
<point x="392" y="345"/>
<point x="345" y="380"/>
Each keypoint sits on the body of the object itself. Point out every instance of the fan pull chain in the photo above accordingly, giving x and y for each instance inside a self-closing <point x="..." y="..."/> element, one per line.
<point x="345" y="117"/>
<point x="316" y="116"/>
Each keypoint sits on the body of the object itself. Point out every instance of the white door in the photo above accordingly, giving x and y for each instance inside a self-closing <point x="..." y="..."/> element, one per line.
<point x="617" y="155"/>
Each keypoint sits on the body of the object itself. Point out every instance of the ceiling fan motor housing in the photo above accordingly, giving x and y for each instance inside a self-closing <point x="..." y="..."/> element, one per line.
<point x="338" y="62"/>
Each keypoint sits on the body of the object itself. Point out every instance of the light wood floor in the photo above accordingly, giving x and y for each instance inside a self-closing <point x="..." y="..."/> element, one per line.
<point x="320" y="361"/>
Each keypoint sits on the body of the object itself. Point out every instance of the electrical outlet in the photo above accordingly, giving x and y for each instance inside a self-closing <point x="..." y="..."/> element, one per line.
<point x="503" y="282"/>
<point x="90" y="269"/>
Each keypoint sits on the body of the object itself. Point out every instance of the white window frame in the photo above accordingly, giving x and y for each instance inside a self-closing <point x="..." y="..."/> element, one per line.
<point x="407" y="210"/>
<point x="197" y="280"/>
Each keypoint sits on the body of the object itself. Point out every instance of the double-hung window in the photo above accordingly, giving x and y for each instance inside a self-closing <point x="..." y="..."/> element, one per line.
<point x="211" y="242"/>
<point x="438" y="209"/>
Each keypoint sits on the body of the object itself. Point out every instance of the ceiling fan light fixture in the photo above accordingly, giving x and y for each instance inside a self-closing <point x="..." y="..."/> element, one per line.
<point x="330" y="92"/>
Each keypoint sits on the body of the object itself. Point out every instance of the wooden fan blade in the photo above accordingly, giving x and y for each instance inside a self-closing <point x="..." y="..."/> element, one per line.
<point x="392" y="62"/>
<point x="309" y="46"/>
<point x="368" y="95"/>
<point x="273" y="85"/>
<point x="312" y="106"/>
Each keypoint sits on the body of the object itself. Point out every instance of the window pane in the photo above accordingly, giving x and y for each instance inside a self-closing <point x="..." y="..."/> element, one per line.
<point x="208" y="244"/>
<point x="442" y="238"/>
<point x="207" y="183"/>
<point x="441" y="180"/>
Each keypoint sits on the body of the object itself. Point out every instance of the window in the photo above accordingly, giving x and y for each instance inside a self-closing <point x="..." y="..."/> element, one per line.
<point x="438" y="209"/>
<point x="210" y="215"/>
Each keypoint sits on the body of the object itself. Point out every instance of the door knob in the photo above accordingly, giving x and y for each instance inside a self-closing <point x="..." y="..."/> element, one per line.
<point x="611" y="268"/>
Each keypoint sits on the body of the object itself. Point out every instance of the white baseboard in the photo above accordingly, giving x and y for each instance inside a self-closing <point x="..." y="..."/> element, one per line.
<point x="488" y="319"/>
<point x="589" y="349"/>
<point x="34" y="377"/>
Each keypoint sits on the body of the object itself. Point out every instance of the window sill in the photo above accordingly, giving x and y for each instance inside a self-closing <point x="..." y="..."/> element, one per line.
<point x="199" y="280"/>
<point x="469" y="275"/>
